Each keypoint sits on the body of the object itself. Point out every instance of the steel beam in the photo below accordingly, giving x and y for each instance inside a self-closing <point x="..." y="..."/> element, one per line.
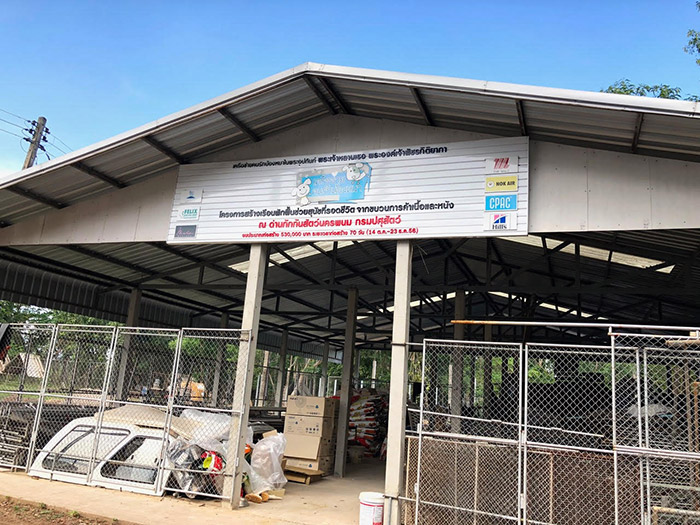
<point x="637" y="132"/>
<point x="165" y="150"/>
<point x="521" y="117"/>
<point x="319" y="95"/>
<point x="344" y="108"/>
<point x="32" y="195"/>
<point x="422" y="107"/>
<point x="81" y="166"/>
<point x="238" y="124"/>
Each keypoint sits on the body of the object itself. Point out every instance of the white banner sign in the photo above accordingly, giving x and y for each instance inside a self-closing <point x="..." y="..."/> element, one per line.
<point x="443" y="190"/>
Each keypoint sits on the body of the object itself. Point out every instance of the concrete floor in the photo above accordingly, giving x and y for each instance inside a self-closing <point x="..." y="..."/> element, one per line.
<point x="331" y="501"/>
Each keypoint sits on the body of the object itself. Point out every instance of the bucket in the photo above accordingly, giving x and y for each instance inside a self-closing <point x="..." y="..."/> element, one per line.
<point x="371" y="508"/>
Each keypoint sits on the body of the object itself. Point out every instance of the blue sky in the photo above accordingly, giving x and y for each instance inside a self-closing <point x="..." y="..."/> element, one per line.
<point x="95" y="69"/>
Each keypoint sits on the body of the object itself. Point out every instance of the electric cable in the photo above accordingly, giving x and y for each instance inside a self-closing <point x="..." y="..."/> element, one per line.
<point x="11" y="133"/>
<point x="15" y="115"/>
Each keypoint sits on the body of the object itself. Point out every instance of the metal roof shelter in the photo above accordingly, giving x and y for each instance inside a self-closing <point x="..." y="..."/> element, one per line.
<point x="86" y="231"/>
<point x="621" y="276"/>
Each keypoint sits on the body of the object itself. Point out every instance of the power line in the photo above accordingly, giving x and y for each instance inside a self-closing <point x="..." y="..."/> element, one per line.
<point x="55" y="137"/>
<point x="55" y="146"/>
<point x="15" y="115"/>
<point x="10" y="133"/>
<point x="13" y="124"/>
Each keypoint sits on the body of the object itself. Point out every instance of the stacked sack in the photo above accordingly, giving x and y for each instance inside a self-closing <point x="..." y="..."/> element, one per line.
<point x="368" y="421"/>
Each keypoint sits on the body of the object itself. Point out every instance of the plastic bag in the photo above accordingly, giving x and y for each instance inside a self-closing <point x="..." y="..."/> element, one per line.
<point x="266" y="464"/>
<point x="211" y="425"/>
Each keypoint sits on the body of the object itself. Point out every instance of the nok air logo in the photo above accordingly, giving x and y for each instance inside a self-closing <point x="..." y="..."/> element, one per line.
<point x="345" y="186"/>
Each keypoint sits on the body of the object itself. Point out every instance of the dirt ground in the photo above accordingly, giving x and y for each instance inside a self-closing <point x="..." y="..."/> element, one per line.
<point x="13" y="512"/>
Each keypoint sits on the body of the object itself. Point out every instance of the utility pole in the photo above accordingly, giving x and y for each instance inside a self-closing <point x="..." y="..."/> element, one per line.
<point x="35" y="143"/>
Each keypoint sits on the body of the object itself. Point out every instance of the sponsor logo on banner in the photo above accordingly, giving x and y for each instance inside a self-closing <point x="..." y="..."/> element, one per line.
<point x="188" y="231"/>
<point x="188" y="213"/>
<point x="502" y="183"/>
<point x="502" y="165"/>
<point x="500" y="221"/>
<point x="347" y="185"/>
<point x="192" y="196"/>
<point x="506" y="202"/>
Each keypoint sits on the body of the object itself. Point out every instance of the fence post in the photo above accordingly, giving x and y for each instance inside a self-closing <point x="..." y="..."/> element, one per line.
<point x="456" y="369"/>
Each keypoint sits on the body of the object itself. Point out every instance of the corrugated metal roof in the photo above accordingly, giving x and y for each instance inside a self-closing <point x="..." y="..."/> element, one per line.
<point x="657" y="127"/>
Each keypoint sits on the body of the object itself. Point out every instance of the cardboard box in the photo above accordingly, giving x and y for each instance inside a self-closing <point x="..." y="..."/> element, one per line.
<point x="308" y="447"/>
<point x="324" y="463"/>
<point x="309" y="425"/>
<point x="312" y="406"/>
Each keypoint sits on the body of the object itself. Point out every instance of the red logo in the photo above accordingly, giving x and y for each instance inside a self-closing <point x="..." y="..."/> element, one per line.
<point x="501" y="164"/>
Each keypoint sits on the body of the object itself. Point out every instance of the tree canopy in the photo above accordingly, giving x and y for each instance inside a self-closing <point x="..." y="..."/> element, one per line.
<point x="627" y="87"/>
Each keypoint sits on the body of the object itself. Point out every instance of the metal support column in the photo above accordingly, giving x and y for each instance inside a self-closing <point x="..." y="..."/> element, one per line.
<point x="264" y="374"/>
<point x="219" y="358"/>
<point x="346" y="386"/>
<point x="132" y="319"/>
<point x="282" y="372"/>
<point x="457" y="363"/>
<point x="399" y="380"/>
<point x="374" y="373"/>
<point x="323" y="383"/>
<point x="245" y="367"/>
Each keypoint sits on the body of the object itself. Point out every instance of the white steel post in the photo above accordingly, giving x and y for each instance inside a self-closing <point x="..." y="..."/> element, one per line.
<point x="346" y="386"/>
<point x="132" y="319"/>
<point x="219" y="358"/>
<point x="244" y="370"/>
<point x="263" y="379"/>
<point x="398" y="385"/>
<point x="323" y="384"/>
<point x="374" y="373"/>
<point x="457" y="364"/>
<point x="282" y="372"/>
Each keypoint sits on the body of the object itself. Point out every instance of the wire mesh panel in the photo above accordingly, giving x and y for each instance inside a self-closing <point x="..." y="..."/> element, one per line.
<point x="72" y="392"/>
<point x="569" y="396"/>
<point x="24" y="351"/>
<point x="130" y="436"/>
<point x="202" y="412"/>
<point x="468" y="458"/>
<point x="660" y="423"/>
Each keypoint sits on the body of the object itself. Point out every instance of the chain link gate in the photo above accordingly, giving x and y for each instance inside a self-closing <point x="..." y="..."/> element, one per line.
<point x="465" y="463"/>
<point x="23" y="356"/>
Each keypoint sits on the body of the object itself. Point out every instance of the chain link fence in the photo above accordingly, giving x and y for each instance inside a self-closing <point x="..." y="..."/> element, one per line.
<point x="138" y="409"/>
<point x="556" y="434"/>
